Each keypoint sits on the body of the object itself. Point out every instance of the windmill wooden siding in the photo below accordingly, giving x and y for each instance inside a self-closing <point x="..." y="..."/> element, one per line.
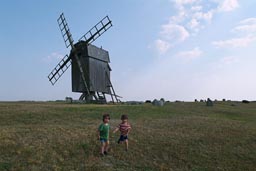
<point x="96" y="69"/>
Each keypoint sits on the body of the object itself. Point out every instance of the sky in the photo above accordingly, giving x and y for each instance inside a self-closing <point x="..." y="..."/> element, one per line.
<point x="171" y="49"/>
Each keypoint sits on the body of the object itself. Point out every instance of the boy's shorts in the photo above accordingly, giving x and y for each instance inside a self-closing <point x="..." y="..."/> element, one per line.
<point x="103" y="140"/>
<point x="122" y="138"/>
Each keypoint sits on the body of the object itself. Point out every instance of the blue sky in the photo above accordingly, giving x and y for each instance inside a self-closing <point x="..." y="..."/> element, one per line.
<point x="172" y="49"/>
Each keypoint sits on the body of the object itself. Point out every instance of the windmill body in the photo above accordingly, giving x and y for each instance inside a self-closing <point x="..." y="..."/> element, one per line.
<point x="95" y="61"/>
<point x="90" y="68"/>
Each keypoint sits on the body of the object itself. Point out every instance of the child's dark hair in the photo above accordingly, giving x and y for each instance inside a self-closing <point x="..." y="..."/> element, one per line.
<point x="105" y="116"/>
<point x="123" y="117"/>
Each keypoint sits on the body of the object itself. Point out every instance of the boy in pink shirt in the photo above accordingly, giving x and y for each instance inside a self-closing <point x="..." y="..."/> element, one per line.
<point x="124" y="127"/>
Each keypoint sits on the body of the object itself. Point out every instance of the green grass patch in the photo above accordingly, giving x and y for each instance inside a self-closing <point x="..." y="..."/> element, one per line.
<point x="178" y="136"/>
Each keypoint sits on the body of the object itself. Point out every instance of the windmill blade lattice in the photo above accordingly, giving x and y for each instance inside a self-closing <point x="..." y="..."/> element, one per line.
<point x="65" y="31"/>
<point x="58" y="71"/>
<point x="97" y="30"/>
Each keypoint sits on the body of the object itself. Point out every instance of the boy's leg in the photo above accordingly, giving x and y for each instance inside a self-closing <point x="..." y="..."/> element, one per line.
<point x="126" y="144"/>
<point x="106" y="146"/>
<point x="121" y="139"/>
<point x="102" y="147"/>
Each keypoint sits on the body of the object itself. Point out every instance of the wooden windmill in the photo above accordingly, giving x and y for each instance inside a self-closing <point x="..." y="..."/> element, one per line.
<point x="90" y="64"/>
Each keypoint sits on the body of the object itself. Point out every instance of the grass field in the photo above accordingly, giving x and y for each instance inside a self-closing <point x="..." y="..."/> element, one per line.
<point x="51" y="136"/>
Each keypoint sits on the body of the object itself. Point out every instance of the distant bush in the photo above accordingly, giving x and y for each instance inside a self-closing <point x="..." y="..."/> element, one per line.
<point x="134" y="102"/>
<point x="245" y="101"/>
<point x="148" y="101"/>
<point x="178" y="101"/>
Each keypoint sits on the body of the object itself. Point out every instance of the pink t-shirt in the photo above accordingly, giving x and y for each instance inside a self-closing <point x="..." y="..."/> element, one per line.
<point x="124" y="128"/>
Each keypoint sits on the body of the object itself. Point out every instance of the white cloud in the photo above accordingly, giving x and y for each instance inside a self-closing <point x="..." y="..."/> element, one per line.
<point x="196" y="8"/>
<point x="193" y="23"/>
<point x="248" y="21"/>
<point x="191" y="54"/>
<point x="247" y="26"/>
<point x="246" y="29"/>
<point x="235" y="42"/>
<point x="180" y="17"/>
<point x="228" y="5"/>
<point x="207" y="16"/>
<point x="193" y="14"/>
<point x="162" y="46"/>
<point x="170" y="33"/>
<point x="229" y="60"/>
<point x="183" y="2"/>
<point x="174" y="32"/>
<point x="191" y="17"/>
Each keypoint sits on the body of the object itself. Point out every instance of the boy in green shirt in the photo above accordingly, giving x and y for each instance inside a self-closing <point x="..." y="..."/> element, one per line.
<point x="103" y="134"/>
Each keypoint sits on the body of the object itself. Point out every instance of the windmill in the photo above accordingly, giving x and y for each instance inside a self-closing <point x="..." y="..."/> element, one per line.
<point x="90" y="70"/>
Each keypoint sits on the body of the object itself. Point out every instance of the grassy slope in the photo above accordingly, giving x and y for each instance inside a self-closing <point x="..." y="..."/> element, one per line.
<point x="178" y="136"/>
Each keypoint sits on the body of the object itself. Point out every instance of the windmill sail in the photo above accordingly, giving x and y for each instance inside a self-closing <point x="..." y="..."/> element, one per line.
<point x="97" y="30"/>
<point x="64" y="64"/>
<point x="59" y="70"/>
<point x="65" y="31"/>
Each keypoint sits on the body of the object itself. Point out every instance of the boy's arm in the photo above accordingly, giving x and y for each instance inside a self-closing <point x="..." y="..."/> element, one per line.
<point x="98" y="133"/>
<point x="129" y="129"/>
<point x="115" y="130"/>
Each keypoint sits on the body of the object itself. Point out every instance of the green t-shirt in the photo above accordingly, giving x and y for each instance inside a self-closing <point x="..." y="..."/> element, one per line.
<point x="104" y="130"/>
